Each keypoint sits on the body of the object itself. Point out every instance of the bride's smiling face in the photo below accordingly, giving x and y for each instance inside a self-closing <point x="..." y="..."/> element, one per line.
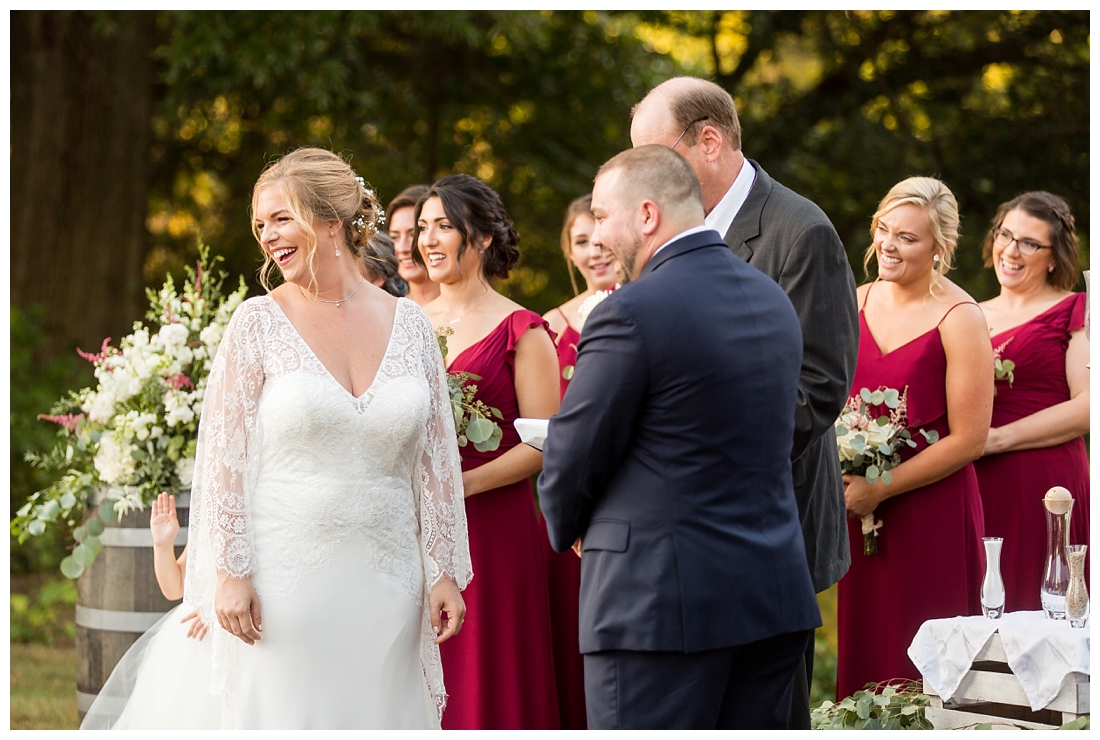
<point x="291" y="244"/>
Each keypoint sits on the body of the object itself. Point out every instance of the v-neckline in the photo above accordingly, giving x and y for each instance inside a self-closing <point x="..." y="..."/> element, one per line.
<point x="1033" y="318"/>
<point x="491" y="333"/>
<point x="328" y="373"/>
<point x="878" y="347"/>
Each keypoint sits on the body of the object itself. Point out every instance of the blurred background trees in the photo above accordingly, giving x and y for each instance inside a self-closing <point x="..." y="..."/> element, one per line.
<point x="136" y="133"/>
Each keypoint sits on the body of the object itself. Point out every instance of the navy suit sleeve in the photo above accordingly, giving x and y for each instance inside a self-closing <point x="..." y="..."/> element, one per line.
<point x="589" y="437"/>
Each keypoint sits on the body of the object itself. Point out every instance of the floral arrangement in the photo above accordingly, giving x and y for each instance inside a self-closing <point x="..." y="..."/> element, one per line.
<point x="870" y="445"/>
<point x="1002" y="369"/>
<point x="472" y="420"/>
<point x="583" y="310"/>
<point x="134" y="434"/>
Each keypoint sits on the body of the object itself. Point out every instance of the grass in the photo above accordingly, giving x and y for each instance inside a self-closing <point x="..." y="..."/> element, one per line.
<point x="43" y="687"/>
<point x="43" y="654"/>
<point x="824" y="683"/>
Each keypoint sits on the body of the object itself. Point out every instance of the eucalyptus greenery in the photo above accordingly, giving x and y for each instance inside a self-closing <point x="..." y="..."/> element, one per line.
<point x="472" y="422"/>
<point x="878" y="708"/>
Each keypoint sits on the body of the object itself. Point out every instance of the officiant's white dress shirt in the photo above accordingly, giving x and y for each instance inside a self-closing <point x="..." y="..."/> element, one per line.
<point x="723" y="214"/>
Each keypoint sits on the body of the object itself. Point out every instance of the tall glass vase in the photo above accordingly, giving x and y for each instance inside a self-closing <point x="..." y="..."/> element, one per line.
<point x="1059" y="505"/>
<point x="1077" y="595"/>
<point x="993" y="586"/>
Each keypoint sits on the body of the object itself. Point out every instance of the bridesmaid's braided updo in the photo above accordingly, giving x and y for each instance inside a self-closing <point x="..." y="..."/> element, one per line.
<point x="476" y="211"/>
<point x="318" y="184"/>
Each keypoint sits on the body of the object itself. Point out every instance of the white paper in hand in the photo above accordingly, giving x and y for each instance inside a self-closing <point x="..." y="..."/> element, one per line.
<point x="532" y="431"/>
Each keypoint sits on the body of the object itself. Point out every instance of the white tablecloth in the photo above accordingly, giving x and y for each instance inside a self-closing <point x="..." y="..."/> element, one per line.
<point x="1040" y="651"/>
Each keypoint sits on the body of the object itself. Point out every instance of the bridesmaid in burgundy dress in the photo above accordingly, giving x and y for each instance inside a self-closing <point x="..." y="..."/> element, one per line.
<point x="922" y="334"/>
<point x="1041" y="413"/>
<point x="500" y="668"/>
<point x="563" y="570"/>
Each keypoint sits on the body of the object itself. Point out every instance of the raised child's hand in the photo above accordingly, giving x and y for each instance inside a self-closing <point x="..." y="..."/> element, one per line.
<point x="163" y="523"/>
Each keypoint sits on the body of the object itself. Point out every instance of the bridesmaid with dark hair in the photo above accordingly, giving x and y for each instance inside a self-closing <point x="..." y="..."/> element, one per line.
<point x="922" y="335"/>
<point x="1041" y="409"/>
<point x="563" y="570"/>
<point x="502" y="669"/>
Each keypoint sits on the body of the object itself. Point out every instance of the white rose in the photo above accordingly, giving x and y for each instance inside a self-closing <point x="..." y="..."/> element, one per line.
<point x="844" y="445"/>
<point x="877" y="435"/>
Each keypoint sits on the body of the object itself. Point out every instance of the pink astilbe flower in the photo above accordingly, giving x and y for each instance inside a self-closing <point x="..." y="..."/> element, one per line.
<point x="103" y="352"/>
<point x="179" y="381"/>
<point x="69" y="421"/>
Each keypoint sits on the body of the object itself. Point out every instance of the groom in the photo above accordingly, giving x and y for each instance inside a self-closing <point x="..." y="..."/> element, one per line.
<point x="670" y="460"/>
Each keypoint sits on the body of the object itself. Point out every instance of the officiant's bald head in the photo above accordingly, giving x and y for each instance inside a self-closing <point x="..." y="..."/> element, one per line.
<point x="642" y="198"/>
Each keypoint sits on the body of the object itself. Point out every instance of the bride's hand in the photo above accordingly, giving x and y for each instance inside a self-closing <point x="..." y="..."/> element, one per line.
<point x="445" y="597"/>
<point x="237" y="607"/>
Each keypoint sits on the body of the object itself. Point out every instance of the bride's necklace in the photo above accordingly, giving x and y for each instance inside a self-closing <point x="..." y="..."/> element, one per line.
<point x="454" y="321"/>
<point x="326" y="300"/>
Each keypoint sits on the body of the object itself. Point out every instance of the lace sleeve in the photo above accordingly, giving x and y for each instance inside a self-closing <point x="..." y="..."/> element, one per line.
<point x="225" y="429"/>
<point x="437" y="479"/>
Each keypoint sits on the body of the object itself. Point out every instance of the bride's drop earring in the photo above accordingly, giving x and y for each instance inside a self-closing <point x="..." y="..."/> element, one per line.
<point x="335" y="244"/>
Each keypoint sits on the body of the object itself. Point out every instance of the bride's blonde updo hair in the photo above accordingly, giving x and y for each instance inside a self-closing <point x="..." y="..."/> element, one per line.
<point x="938" y="203"/>
<point x="318" y="184"/>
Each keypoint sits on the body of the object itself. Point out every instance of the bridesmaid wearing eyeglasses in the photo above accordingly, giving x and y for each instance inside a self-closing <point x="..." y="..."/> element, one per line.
<point x="1041" y="410"/>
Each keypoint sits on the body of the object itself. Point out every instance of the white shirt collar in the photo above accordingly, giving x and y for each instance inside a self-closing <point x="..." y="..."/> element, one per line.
<point x="721" y="218"/>
<point x="682" y="234"/>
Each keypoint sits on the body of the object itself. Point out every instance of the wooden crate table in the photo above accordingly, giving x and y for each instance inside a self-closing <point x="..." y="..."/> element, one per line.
<point x="990" y="689"/>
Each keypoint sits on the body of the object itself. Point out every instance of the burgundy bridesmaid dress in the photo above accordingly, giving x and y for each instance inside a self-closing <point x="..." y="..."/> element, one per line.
<point x="563" y="574"/>
<point x="499" y="670"/>
<point x="930" y="560"/>
<point x="1013" y="483"/>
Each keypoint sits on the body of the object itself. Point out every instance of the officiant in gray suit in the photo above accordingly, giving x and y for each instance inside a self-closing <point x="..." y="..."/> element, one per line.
<point x="792" y="241"/>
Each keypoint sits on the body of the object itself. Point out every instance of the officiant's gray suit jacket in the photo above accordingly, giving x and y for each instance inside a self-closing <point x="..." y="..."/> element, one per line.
<point x="792" y="241"/>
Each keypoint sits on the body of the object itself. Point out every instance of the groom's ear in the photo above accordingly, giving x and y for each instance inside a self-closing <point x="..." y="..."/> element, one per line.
<point x="650" y="217"/>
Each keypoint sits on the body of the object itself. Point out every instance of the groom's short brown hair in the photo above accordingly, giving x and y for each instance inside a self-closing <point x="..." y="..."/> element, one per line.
<point x="656" y="173"/>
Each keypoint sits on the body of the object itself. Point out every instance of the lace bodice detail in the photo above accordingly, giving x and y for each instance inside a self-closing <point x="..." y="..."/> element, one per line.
<point x="289" y="464"/>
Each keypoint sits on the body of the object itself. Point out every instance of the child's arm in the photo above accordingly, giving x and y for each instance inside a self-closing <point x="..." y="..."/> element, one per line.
<point x="165" y="526"/>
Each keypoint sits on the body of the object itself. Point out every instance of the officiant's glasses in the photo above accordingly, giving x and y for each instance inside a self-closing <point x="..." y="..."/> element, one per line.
<point x="697" y="120"/>
<point x="1027" y="247"/>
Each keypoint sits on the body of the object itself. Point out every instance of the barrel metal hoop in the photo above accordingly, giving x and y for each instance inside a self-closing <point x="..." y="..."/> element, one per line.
<point x="130" y="537"/>
<point x="115" y="621"/>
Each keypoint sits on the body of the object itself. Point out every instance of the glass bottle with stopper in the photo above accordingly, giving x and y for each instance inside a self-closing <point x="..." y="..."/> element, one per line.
<point x="1058" y="503"/>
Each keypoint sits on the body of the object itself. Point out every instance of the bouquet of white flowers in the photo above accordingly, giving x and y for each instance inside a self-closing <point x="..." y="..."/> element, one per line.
<point x="134" y="434"/>
<point x="870" y="444"/>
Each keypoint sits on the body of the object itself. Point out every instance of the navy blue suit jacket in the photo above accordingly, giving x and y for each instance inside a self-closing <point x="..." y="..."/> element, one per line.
<point x="670" y="458"/>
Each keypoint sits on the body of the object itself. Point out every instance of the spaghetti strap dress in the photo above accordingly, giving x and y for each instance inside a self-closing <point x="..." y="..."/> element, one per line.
<point x="930" y="562"/>
<point x="563" y="574"/>
<point x="500" y="667"/>
<point x="1013" y="483"/>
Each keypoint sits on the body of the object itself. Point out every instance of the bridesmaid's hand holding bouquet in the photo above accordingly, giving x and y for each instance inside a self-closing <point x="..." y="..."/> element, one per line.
<point x="870" y="444"/>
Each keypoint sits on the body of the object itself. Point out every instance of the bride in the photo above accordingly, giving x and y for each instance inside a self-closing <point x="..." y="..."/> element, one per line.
<point x="328" y="536"/>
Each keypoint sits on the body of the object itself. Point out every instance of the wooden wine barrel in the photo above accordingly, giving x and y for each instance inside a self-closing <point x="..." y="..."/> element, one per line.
<point x="118" y="597"/>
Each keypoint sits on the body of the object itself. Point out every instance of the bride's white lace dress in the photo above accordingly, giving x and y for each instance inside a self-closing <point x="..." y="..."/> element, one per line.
<point x="343" y="511"/>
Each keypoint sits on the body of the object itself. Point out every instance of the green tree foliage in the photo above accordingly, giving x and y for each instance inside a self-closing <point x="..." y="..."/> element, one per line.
<point x="840" y="106"/>
<point x="531" y="102"/>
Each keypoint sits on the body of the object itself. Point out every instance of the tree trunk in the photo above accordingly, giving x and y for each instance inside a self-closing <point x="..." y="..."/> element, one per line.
<point x="81" y="100"/>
